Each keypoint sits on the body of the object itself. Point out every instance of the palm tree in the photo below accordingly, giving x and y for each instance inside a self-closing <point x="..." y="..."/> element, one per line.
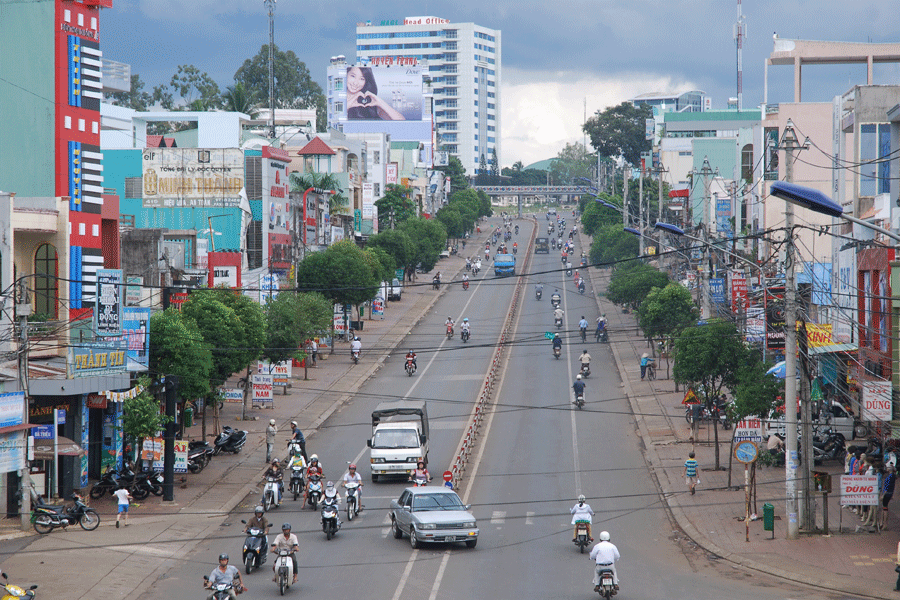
<point x="337" y="202"/>
<point x="238" y="99"/>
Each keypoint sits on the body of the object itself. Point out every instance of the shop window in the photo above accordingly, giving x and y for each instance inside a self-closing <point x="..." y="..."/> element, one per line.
<point x="46" y="282"/>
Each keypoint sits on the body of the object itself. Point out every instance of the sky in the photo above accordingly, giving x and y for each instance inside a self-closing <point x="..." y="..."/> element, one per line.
<point x="560" y="60"/>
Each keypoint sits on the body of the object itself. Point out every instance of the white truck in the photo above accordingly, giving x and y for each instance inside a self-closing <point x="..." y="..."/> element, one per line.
<point x="399" y="437"/>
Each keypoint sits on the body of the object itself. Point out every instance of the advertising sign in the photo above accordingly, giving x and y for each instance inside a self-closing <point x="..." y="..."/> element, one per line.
<point x="95" y="358"/>
<point x="277" y="217"/>
<point x="339" y="323"/>
<point x="12" y="408"/>
<point x="192" y="177"/>
<point x="280" y="372"/>
<point x="235" y="395"/>
<point x="133" y="285"/>
<point x="756" y="324"/>
<point x="723" y="214"/>
<point x="378" y="306"/>
<point x="717" y="289"/>
<point x="226" y="275"/>
<point x="876" y="401"/>
<point x="262" y="390"/>
<point x="384" y="93"/>
<point x="108" y="310"/>
<point x="774" y="298"/>
<point x="43" y="432"/>
<point x="154" y="450"/>
<point x="368" y="199"/>
<point x="859" y="490"/>
<point x="845" y="284"/>
<point x="12" y="452"/>
<point x="750" y="429"/>
<point x="390" y="173"/>
<point x="136" y="331"/>
<point x="268" y="288"/>
<point x="738" y="291"/>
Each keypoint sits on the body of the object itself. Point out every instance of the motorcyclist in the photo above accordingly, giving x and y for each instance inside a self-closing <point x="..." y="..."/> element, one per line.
<point x="465" y="280"/>
<point x="539" y="288"/>
<point x="581" y="284"/>
<point x="557" y="342"/>
<point x="558" y="313"/>
<point x="585" y="358"/>
<point x="601" y="321"/>
<point x="351" y="476"/>
<point x="224" y="573"/>
<point x="314" y="468"/>
<point x="578" y="387"/>
<point x="287" y="541"/>
<point x="515" y="246"/>
<point x="260" y="522"/>
<point x="421" y="472"/>
<point x="468" y="263"/>
<point x="582" y="511"/>
<point x="465" y="326"/>
<point x="449" y="323"/>
<point x="331" y="495"/>
<point x="411" y="356"/>
<point x="356" y="346"/>
<point x="276" y="472"/>
<point x="297" y="437"/>
<point x="555" y="297"/>
<point x="605" y="554"/>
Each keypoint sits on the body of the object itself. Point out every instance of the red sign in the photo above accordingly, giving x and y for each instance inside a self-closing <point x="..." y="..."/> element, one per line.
<point x="448" y="475"/>
<point x="690" y="398"/>
<point x="96" y="401"/>
<point x="738" y="292"/>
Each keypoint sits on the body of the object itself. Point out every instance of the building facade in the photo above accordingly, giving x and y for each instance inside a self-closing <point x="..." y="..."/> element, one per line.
<point x="465" y="71"/>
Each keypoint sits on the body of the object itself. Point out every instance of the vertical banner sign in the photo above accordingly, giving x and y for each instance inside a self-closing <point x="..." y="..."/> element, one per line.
<point x="109" y="302"/>
<point x="85" y="440"/>
<point x="268" y="288"/>
<point x="717" y="289"/>
<point x="133" y="284"/>
<point x="774" y="299"/>
<point x="12" y="407"/>
<point x="277" y="218"/>
<point x="876" y="401"/>
<point x="390" y="173"/>
<point x="136" y="330"/>
<point x="262" y="389"/>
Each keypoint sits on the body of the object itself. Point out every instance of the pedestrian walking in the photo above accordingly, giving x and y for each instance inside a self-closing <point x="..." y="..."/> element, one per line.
<point x="124" y="499"/>
<point x="887" y="491"/>
<point x="645" y="359"/>
<point x="271" y="432"/>
<point x="690" y="473"/>
<point x="315" y="352"/>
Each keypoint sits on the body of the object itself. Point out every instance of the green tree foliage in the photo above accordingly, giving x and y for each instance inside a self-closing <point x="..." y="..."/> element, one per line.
<point x="193" y="85"/>
<point x="294" y="86"/>
<point x="631" y="283"/>
<point x="482" y="166"/>
<point x="524" y="177"/>
<point x="457" y="174"/>
<point x="611" y="245"/>
<point x="222" y="331"/>
<point x="451" y="220"/>
<point x="619" y="131"/>
<point x="136" y="98"/>
<point x="667" y="311"/>
<point x="495" y="163"/>
<point x="594" y="216"/>
<point x="429" y="238"/>
<point x="572" y="162"/>
<point x="396" y="199"/>
<point x="178" y="348"/>
<point x="397" y="244"/>
<point x="756" y="393"/>
<point x="238" y="98"/>
<point x="341" y="273"/>
<point x="383" y="264"/>
<point x="253" y="321"/>
<point x="141" y="416"/>
<point x="709" y="358"/>
<point x="293" y="318"/>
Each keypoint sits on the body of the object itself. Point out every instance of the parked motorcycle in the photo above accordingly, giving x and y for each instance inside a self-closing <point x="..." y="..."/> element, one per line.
<point x="315" y="491"/>
<point x="230" y="440"/>
<point x="582" y="540"/>
<point x="255" y="548"/>
<point x="410" y="367"/>
<point x="199" y="457"/>
<point x="47" y="517"/>
<point x="271" y="495"/>
<point x="353" y="506"/>
<point x="108" y="483"/>
<point x="829" y="446"/>
<point x="607" y="587"/>
<point x="330" y="521"/>
<point x="284" y="570"/>
<point x="464" y="335"/>
<point x="718" y="413"/>
<point x="14" y="591"/>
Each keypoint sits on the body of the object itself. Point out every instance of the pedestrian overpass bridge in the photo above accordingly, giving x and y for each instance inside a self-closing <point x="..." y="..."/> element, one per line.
<point x="520" y="191"/>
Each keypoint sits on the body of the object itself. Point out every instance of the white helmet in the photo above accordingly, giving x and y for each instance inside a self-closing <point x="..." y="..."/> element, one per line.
<point x="271" y="421"/>
<point x="578" y="376"/>
<point x="604" y="536"/>
<point x="581" y="498"/>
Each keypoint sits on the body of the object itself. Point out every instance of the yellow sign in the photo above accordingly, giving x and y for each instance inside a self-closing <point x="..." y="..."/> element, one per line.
<point x="690" y="398"/>
<point x="817" y="335"/>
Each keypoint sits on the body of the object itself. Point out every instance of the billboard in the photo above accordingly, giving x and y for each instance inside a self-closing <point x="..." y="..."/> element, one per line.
<point x="136" y="331"/>
<point x="384" y="93"/>
<point x="192" y="177"/>
<point x="277" y="214"/>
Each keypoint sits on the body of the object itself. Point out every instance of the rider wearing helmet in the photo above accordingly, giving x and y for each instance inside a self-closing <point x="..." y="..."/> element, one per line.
<point x="557" y="341"/>
<point x="314" y="468"/>
<point x="578" y="387"/>
<point x="582" y="511"/>
<point x="350" y="477"/>
<point x="605" y="554"/>
<point x="260" y="522"/>
<point x="465" y="325"/>
<point x="421" y="472"/>
<point x="585" y="358"/>
<point x="224" y="573"/>
<point x="276" y="472"/>
<point x="287" y="541"/>
<point x="331" y="493"/>
<point x="411" y="356"/>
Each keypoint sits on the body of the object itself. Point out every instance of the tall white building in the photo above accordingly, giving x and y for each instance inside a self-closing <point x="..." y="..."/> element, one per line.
<point x="464" y="64"/>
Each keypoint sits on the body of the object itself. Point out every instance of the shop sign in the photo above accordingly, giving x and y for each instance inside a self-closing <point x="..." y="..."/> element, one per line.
<point x="12" y="452"/>
<point x="96" y="401"/>
<point x="749" y="429"/>
<point x="280" y="372"/>
<point x="717" y="289"/>
<point x="876" y="400"/>
<point x="95" y="358"/>
<point x="859" y="490"/>
<point x="235" y="395"/>
<point x="43" y="432"/>
<point x="133" y="284"/>
<point x="136" y="330"/>
<point x="12" y="406"/>
<point x="263" y="390"/>
<point x="154" y="451"/>
<point x="108" y="311"/>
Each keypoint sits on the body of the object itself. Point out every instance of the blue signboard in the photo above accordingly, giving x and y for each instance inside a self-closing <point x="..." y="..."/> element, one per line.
<point x="136" y="329"/>
<point x="42" y="432"/>
<point x="717" y="289"/>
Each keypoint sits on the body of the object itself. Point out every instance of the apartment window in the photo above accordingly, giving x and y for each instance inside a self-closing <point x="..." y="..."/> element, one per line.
<point x="450" y="45"/>
<point x="338" y="107"/>
<point x="376" y="158"/>
<point x="338" y="85"/>
<point x="874" y="150"/>
<point x="376" y="189"/>
<point x="134" y="187"/>
<point x="747" y="163"/>
<point x="68" y="122"/>
<point x="46" y="271"/>
<point x="80" y="20"/>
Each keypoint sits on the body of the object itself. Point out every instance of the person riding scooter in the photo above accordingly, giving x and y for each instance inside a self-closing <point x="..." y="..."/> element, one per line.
<point x="260" y="522"/>
<point x="411" y="356"/>
<point x="585" y="360"/>
<point x="276" y="472"/>
<point x="287" y="541"/>
<point x="557" y="342"/>
<point x="465" y="327"/>
<point x="578" y="388"/>
<point x="558" y="315"/>
<point x="582" y="511"/>
<point x="605" y="554"/>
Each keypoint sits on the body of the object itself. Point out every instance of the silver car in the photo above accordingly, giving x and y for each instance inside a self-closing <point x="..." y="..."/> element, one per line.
<point x="432" y="514"/>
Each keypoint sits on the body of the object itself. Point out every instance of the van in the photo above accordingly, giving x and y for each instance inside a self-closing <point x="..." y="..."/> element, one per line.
<point x="504" y="264"/>
<point x="394" y="290"/>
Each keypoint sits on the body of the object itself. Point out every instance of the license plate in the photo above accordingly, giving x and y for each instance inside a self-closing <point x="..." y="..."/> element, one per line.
<point x="607" y="581"/>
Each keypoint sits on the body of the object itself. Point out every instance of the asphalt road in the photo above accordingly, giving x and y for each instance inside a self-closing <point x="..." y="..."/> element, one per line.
<point x="537" y="454"/>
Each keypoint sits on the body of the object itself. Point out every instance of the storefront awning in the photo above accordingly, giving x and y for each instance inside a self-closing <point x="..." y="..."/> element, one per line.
<point x="43" y="449"/>
<point x="833" y="348"/>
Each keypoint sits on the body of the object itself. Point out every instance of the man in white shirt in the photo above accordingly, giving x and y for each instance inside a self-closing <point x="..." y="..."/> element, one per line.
<point x="356" y="345"/>
<point x="287" y="541"/>
<point x="605" y="554"/>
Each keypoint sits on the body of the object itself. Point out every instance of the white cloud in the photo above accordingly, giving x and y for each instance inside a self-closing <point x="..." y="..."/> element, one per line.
<point x="539" y="119"/>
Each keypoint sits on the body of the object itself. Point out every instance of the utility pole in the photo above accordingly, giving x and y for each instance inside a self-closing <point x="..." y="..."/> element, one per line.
<point x="640" y="226"/>
<point x="706" y="172"/>
<point x="625" y="174"/>
<point x="270" y="4"/>
<point x="23" y="310"/>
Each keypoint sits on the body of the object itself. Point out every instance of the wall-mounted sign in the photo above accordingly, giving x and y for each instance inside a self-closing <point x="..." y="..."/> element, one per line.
<point x="192" y="177"/>
<point x="108" y="310"/>
<point x="95" y="358"/>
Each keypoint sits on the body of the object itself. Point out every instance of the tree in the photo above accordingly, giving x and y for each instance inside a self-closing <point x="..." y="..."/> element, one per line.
<point x="667" y="311"/>
<point x="337" y="202"/>
<point x="383" y="264"/>
<point x="395" y="206"/>
<point x="518" y="166"/>
<point x="573" y="161"/>
<point x="396" y="243"/>
<point x="178" y="348"/>
<point x="450" y="217"/>
<point x="294" y="86"/>
<point x="429" y="238"/>
<point x="237" y="98"/>
<point x="594" y="216"/>
<point x="136" y="98"/>
<point x="141" y="416"/>
<point x="253" y="321"/>
<point x="495" y="164"/>
<point x="708" y="358"/>
<point x="293" y="318"/>
<point x="619" y="131"/>
<point x="611" y="245"/>
<point x="192" y="85"/>
<point x="457" y="174"/>
<point x="482" y="166"/>
<point x="630" y="284"/>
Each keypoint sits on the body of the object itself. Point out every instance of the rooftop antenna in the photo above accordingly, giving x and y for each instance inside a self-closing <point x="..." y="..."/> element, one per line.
<point x="270" y="4"/>
<point x="740" y="32"/>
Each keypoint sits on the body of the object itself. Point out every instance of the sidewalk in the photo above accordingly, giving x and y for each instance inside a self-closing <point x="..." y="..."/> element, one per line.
<point x="124" y="562"/>
<point x="851" y="560"/>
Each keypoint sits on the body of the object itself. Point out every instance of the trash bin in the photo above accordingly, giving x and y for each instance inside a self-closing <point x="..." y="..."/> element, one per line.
<point x="768" y="517"/>
<point x="188" y="416"/>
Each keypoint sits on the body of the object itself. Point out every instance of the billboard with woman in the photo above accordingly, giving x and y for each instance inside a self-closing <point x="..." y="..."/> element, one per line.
<point x="384" y="93"/>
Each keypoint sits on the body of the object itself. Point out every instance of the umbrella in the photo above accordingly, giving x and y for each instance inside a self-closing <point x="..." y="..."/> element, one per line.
<point x="777" y="370"/>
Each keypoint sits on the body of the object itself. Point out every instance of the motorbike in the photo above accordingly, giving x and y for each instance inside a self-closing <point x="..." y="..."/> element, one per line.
<point x="607" y="587"/>
<point x="538" y="293"/>
<point x="271" y="496"/>
<point x="13" y="591"/>
<point x="585" y="369"/>
<point x="449" y="332"/>
<point x="108" y="483"/>
<point x="255" y="548"/>
<point x="465" y="284"/>
<point x="354" y="356"/>
<point x="557" y="351"/>
<point x="199" y="457"/>
<point x="517" y="230"/>
<point x="330" y="521"/>
<point x="515" y="250"/>
<point x="297" y="484"/>
<point x="47" y="517"/>
<point x="582" y="540"/>
<point x="583" y="332"/>
<point x="464" y="335"/>
<point x="468" y="265"/>
<point x="315" y="491"/>
<point x="583" y="262"/>
<point x="579" y="400"/>
<point x="353" y="506"/>
<point x="581" y="287"/>
<point x="220" y="590"/>
<point x="435" y="283"/>
<point x="410" y="367"/>
<point x="555" y="300"/>
<point x="558" y="322"/>
<point x="718" y="413"/>
<point x="830" y="446"/>
<point x="284" y="570"/>
<point x="568" y="271"/>
<point x="418" y="480"/>
<point x="601" y="334"/>
<point x="475" y="269"/>
<point x="230" y="440"/>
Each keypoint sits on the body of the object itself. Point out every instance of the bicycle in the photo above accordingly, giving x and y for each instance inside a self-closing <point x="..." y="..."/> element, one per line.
<point x="651" y="371"/>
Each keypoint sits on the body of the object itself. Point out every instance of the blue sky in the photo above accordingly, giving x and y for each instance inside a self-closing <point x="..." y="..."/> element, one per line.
<point x="557" y="56"/>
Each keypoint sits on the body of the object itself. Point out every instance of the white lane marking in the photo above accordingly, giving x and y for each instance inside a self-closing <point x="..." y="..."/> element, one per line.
<point x="386" y="530"/>
<point x="529" y="518"/>
<point x="498" y="517"/>
<point x="575" y="458"/>
<point x="405" y="576"/>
